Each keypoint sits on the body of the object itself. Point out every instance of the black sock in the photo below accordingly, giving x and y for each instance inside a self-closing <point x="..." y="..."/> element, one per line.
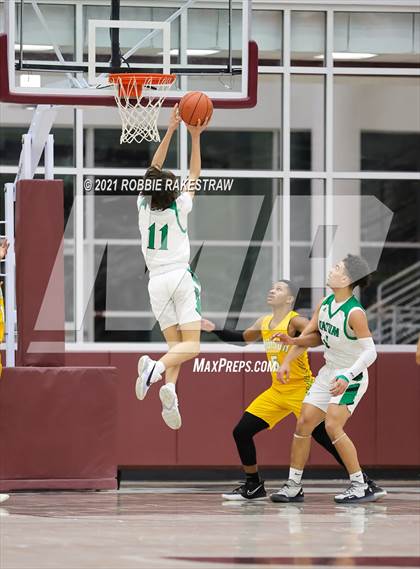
<point x="322" y="438"/>
<point x="253" y="477"/>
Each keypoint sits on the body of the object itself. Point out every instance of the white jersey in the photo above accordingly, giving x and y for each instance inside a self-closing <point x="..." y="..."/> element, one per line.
<point x="164" y="236"/>
<point x="341" y="346"/>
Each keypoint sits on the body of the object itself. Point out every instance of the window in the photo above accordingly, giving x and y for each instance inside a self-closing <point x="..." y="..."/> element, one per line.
<point x="385" y="216"/>
<point x="307" y="38"/>
<point x="307" y="120"/>
<point x="61" y="24"/>
<point x="390" y="151"/>
<point x="11" y="145"/>
<point x="374" y="104"/>
<point x="370" y="39"/>
<point x="307" y="250"/>
<point x="108" y="151"/>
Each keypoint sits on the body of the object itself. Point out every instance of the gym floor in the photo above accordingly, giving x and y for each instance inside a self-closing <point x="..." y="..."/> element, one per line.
<point x="188" y="525"/>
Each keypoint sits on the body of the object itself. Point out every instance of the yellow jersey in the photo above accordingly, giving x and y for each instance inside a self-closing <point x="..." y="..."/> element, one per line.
<point x="1" y="321"/>
<point x="300" y="372"/>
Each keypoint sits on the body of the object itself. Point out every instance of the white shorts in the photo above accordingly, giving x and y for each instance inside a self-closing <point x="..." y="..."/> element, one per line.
<point x="319" y="393"/>
<point x="175" y="297"/>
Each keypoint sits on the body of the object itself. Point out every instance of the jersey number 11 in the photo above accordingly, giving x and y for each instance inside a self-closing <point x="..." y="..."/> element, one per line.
<point x="164" y="237"/>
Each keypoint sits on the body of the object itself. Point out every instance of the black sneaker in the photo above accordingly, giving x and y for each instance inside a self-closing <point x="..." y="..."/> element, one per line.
<point x="356" y="492"/>
<point x="247" y="491"/>
<point x="377" y="490"/>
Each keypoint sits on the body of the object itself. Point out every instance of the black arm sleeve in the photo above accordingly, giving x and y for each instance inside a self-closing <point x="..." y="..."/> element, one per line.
<point x="231" y="336"/>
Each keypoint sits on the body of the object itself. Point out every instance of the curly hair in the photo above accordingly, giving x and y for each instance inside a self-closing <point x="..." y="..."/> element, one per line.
<point x="358" y="270"/>
<point x="164" y="194"/>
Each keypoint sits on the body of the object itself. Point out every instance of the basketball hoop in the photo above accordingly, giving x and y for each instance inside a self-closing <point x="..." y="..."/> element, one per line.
<point x="139" y="97"/>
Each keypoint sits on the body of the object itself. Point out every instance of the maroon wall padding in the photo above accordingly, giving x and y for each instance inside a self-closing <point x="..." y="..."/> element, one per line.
<point x="211" y="404"/>
<point x="40" y="272"/>
<point x="385" y="427"/>
<point x="398" y="409"/>
<point x="58" y="428"/>
<point x="141" y="435"/>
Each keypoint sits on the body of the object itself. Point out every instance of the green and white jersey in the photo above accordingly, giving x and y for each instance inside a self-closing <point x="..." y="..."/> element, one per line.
<point x="164" y="235"/>
<point x="341" y="346"/>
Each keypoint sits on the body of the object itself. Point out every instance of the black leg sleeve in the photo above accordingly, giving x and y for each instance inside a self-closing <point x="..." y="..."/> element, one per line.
<point x="322" y="438"/>
<point x="243" y="433"/>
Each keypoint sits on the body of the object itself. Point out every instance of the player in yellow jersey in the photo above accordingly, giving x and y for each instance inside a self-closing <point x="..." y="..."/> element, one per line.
<point x="4" y="245"/>
<point x="283" y="397"/>
<point x="279" y="400"/>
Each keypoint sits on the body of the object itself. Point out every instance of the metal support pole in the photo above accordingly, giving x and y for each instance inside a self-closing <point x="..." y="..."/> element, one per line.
<point x="230" y="37"/>
<point x="26" y="173"/>
<point x="79" y="203"/>
<point x="285" y="211"/>
<point x="49" y="158"/>
<point x="115" y="37"/>
<point x="21" y="35"/>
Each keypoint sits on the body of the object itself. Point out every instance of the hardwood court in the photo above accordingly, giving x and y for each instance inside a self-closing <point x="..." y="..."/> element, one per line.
<point x="169" y="525"/>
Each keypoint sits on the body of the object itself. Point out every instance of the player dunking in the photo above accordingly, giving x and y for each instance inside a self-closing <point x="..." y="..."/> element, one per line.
<point x="283" y="397"/>
<point x="173" y="288"/>
<point x="341" y="383"/>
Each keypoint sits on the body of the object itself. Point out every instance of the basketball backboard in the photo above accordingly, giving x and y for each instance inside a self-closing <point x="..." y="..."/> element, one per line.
<point x="206" y="44"/>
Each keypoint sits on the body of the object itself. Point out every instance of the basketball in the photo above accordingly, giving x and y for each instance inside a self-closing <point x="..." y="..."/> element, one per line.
<point x="195" y="106"/>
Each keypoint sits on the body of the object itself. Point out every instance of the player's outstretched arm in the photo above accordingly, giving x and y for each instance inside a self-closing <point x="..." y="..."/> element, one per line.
<point x="359" y="324"/>
<point x="159" y="157"/>
<point x="253" y="333"/>
<point x="195" y="159"/>
<point x="309" y="339"/>
<point x="248" y="336"/>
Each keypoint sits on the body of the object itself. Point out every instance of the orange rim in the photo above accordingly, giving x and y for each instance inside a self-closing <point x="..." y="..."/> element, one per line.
<point x="135" y="81"/>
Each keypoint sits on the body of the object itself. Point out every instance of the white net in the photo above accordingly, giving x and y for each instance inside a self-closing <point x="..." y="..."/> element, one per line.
<point x="139" y="99"/>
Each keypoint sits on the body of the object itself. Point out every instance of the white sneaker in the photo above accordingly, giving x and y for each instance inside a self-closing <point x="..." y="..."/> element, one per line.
<point x="356" y="492"/>
<point x="4" y="497"/>
<point x="290" y="492"/>
<point x="170" y="411"/>
<point x="145" y="369"/>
